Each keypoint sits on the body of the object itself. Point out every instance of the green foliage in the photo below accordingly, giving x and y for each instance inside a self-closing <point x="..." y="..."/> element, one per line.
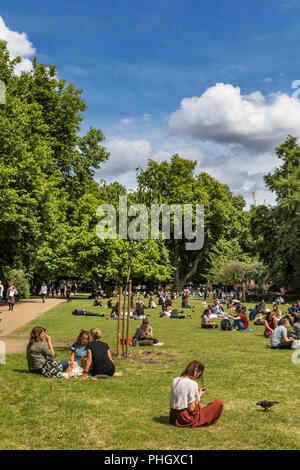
<point x="225" y="222"/>
<point x="238" y="272"/>
<point x="277" y="229"/>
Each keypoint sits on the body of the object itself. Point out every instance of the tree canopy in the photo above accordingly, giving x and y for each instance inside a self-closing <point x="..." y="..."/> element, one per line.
<point x="49" y="200"/>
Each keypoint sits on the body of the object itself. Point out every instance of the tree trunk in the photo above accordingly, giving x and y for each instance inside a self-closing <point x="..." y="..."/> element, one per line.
<point x="243" y="292"/>
<point x="180" y="282"/>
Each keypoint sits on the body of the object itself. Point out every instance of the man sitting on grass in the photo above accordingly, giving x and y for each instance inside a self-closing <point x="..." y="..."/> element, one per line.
<point x="279" y="338"/>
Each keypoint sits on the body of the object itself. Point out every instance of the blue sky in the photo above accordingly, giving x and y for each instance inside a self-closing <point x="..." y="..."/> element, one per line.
<point x="136" y="63"/>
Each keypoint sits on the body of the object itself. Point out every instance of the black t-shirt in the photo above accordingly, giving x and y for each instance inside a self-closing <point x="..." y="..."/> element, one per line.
<point x="139" y="310"/>
<point x="101" y="362"/>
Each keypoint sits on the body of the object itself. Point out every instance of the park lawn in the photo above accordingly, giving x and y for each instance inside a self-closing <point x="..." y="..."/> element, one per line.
<point x="131" y="412"/>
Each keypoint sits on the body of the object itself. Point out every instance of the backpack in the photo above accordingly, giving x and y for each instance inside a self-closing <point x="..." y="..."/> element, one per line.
<point x="225" y="325"/>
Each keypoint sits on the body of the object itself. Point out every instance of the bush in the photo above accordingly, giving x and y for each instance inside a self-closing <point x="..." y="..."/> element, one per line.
<point x="19" y="279"/>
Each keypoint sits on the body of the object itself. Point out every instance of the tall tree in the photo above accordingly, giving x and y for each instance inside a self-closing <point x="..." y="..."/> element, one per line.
<point x="277" y="229"/>
<point x="45" y="164"/>
<point x="176" y="182"/>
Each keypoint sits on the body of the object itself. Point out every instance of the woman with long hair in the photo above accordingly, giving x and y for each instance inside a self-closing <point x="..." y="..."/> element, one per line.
<point x="277" y="312"/>
<point x="185" y="408"/>
<point x="78" y="355"/>
<point x="40" y="353"/>
<point x="99" y="356"/>
<point x="270" y="324"/>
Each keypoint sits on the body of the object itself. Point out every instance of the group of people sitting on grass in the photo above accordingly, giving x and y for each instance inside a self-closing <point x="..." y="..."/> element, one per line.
<point x="240" y="319"/>
<point x="275" y="323"/>
<point x="89" y="357"/>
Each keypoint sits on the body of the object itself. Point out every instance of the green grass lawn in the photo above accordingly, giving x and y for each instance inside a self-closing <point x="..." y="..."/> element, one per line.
<point x="131" y="412"/>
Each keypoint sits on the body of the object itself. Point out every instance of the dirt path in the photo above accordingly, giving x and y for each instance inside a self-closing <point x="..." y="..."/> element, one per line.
<point x="24" y="312"/>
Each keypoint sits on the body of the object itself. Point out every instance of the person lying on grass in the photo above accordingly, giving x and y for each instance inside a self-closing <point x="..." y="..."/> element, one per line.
<point x="99" y="357"/>
<point x="259" y="319"/>
<point x="145" y="332"/>
<point x="40" y="353"/>
<point x="78" y="355"/>
<point x="171" y="312"/>
<point x="84" y="313"/>
<point x="185" y="396"/>
<point x="205" y="320"/>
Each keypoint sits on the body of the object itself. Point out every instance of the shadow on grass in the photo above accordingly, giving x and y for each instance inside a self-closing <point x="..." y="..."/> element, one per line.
<point x="162" y="420"/>
<point x="22" y="371"/>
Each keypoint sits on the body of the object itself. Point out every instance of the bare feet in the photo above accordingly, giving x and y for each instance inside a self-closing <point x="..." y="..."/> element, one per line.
<point x="118" y="374"/>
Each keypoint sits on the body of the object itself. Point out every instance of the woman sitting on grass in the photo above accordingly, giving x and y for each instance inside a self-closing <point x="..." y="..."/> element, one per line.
<point x="40" y="353"/>
<point x="270" y="324"/>
<point x="152" y="304"/>
<point x="78" y="355"/>
<point x="205" y="322"/>
<point x="185" y="409"/>
<point x="99" y="356"/>
<point x="277" y="312"/>
<point x="145" y="332"/>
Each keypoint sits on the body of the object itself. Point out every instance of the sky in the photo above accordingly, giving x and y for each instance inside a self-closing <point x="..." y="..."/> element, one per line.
<point x="211" y="81"/>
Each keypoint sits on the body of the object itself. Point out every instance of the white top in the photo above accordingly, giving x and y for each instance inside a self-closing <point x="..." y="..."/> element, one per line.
<point x="186" y="392"/>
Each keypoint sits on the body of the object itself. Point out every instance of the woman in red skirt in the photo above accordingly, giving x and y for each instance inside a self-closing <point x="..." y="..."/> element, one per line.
<point x="185" y="408"/>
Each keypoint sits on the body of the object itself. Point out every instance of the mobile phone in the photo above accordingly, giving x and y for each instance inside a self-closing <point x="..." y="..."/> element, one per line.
<point x="203" y="389"/>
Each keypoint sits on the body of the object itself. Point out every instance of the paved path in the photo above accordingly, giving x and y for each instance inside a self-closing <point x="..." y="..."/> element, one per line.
<point x="24" y="312"/>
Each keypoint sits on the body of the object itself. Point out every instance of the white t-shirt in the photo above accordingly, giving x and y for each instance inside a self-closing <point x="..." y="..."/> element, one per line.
<point x="186" y="392"/>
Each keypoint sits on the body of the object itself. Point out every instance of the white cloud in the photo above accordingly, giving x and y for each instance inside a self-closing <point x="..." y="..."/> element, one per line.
<point x="127" y="121"/>
<point x="221" y="114"/>
<point x="125" y="155"/>
<point x="18" y="44"/>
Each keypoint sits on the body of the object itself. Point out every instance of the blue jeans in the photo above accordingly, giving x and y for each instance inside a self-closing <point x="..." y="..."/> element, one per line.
<point x="238" y="323"/>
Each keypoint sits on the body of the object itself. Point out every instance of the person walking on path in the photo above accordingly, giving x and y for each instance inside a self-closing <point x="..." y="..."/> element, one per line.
<point x="44" y="291"/>
<point x="10" y="296"/>
<point x="1" y="292"/>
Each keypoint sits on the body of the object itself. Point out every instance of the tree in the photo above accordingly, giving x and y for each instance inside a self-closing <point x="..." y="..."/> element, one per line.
<point x="45" y="165"/>
<point x="175" y="182"/>
<point x="277" y="229"/>
<point x="238" y="272"/>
